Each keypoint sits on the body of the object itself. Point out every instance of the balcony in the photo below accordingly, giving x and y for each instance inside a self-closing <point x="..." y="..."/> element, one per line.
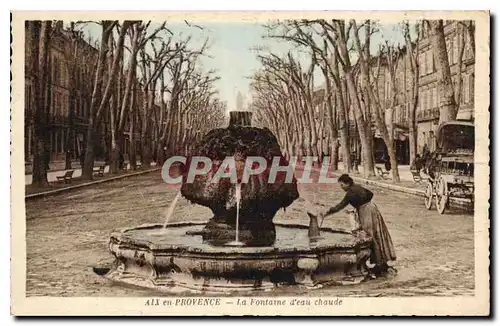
<point x="81" y="121"/>
<point x="58" y="120"/>
<point x="428" y="114"/>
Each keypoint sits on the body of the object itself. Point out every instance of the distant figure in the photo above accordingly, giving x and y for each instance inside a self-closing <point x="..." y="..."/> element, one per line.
<point x="354" y="161"/>
<point x="416" y="165"/>
<point x="121" y="162"/>
<point x="387" y="162"/>
<point x="46" y="159"/>
<point x="431" y="165"/>
<point x="82" y="158"/>
<point x="369" y="220"/>
<point x="425" y="151"/>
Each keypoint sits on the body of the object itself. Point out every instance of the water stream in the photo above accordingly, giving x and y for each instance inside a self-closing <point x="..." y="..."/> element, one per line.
<point x="170" y="209"/>
<point x="237" y="196"/>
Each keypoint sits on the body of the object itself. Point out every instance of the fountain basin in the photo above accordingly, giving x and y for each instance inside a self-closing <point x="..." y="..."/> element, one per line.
<point x="170" y="260"/>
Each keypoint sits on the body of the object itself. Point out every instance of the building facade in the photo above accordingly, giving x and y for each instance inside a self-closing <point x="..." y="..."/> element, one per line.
<point x="68" y="97"/>
<point x="429" y="97"/>
<point x="65" y="129"/>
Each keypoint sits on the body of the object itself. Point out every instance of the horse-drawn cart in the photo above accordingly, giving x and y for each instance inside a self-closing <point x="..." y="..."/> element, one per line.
<point x="452" y="172"/>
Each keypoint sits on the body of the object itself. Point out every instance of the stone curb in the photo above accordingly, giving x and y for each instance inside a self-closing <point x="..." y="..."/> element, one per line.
<point x="411" y="191"/>
<point x="86" y="184"/>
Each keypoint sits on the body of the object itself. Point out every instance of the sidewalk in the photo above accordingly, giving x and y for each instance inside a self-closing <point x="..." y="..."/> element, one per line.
<point x="406" y="185"/>
<point x="404" y="172"/>
<point x="52" y="175"/>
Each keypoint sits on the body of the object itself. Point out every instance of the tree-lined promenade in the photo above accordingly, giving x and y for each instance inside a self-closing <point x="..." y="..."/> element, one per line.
<point x="135" y="80"/>
<point x="360" y="91"/>
<point x="141" y="91"/>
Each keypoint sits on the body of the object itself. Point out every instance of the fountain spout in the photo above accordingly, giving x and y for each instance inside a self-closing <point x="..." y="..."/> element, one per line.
<point x="240" y="118"/>
<point x="314" y="232"/>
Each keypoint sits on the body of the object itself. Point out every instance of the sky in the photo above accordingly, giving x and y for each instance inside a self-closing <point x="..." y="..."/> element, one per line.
<point x="231" y="53"/>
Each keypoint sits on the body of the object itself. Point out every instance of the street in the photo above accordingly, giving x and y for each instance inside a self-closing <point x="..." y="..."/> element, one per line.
<point x="67" y="235"/>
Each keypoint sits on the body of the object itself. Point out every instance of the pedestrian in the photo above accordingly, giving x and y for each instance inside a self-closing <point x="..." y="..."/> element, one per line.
<point x="46" y="159"/>
<point x="416" y="165"/>
<point x="387" y="162"/>
<point x="82" y="157"/>
<point x="425" y="151"/>
<point x="370" y="220"/>
<point x="121" y="162"/>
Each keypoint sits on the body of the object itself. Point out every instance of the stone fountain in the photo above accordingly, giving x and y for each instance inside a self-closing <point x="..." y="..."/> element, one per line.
<point x="205" y="256"/>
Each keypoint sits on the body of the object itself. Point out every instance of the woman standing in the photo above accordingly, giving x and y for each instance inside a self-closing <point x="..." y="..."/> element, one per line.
<point x="370" y="220"/>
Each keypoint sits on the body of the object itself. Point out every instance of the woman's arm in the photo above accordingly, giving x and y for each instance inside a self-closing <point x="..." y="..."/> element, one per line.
<point x="338" y="207"/>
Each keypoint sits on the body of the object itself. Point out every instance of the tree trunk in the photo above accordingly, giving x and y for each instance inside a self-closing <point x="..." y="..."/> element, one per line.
<point x="448" y="108"/>
<point x="364" y="135"/>
<point x="41" y="38"/>
<point x="343" y="128"/>
<point x="394" y="162"/>
<point x="69" y="150"/>
<point x="334" y="159"/>
<point x="88" y="165"/>
<point x="160" y="154"/>
<point x="132" y="157"/>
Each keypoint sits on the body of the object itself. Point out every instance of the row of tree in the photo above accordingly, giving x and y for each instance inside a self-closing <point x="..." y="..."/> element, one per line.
<point x="142" y="81"/>
<point x="287" y="100"/>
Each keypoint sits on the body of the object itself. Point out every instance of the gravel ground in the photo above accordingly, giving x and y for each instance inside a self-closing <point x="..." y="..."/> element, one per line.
<point x="67" y="236"/>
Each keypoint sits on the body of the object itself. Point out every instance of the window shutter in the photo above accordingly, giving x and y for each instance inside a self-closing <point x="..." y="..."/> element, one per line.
<point x="471" y="88"/>
<point x="455" y="48"/>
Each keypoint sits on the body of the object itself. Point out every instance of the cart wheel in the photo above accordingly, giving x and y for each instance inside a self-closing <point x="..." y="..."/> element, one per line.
<point x="428" y="196"/>
<point x="441" y="196"/>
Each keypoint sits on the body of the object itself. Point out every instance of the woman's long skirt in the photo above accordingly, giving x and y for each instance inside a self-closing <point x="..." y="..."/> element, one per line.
<point x="373" y="224"/>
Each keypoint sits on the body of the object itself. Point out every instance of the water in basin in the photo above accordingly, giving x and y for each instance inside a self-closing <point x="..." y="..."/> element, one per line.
<point x="287" y="238"/>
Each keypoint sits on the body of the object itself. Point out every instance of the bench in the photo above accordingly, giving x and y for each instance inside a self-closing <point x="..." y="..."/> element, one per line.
<point x="99" y="171"/>
<point x="381" y="172"/>
<point x="416" y="176"/>
<point x="66" y="177"/>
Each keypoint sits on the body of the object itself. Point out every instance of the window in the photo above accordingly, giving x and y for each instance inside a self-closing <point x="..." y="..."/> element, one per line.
<point x="421" y="70"/>
<point x="455" y="48"/>
<point x="425" y="100"/>
<point x="58" y="104"/>
<point x="429" y="62"/>
<point x="434" y="97"/>
<point x="468" y="48"/>
<point x="426" y="62"/>
<point x="53" y="103"/>
<point x="449" y="48"/>
<point x="420" y="102"/>
<point x="471" y="88"/>
<point x="466" y="89"/>
<point x="55" y="74"/>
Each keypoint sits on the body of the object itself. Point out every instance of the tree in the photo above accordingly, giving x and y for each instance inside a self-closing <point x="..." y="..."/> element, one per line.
<point x="40" y="39"/>
<point x="138" y="39"/>
<point x="286" y="75"/>
<point x="302" y="33"/>
<point x="412" y="54"/>
<point x="338" y="36"/>
<point x="97" y="101"/>
<point x="448" y="106"/>
<point x="382" y="108"/>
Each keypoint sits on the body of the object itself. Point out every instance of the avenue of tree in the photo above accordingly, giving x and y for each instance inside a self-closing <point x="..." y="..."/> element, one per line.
<point x="286" y="99"/>
<point x="139" y="81"/>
